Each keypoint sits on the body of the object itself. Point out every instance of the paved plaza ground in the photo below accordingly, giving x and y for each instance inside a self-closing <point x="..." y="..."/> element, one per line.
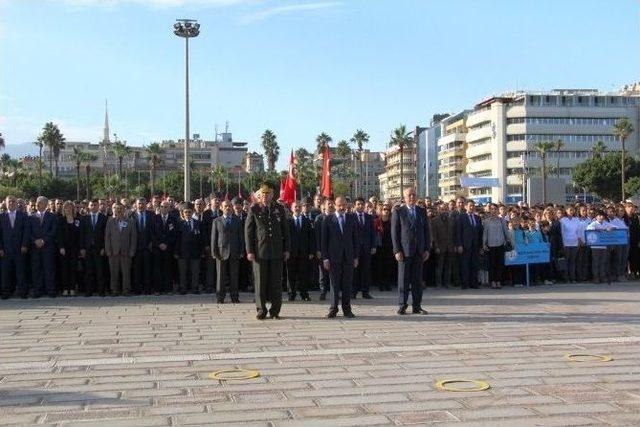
<point x="145" y="361"/>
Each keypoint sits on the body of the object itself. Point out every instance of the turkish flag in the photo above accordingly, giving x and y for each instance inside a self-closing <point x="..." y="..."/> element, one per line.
<point x="288" y="186"/>
<point x="325" y="182"/>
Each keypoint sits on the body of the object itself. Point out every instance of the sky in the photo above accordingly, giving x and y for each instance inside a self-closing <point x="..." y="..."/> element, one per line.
<point x="298" y="68"/>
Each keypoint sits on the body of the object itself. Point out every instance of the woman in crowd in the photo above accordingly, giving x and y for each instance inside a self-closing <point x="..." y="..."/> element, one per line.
<point x="67" y="241"/>
<point x="495" y="236"/>
<point x="385" y="265"/>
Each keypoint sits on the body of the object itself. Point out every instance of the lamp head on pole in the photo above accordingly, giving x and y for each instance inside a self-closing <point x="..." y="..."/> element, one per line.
<point x="186" y="28"/>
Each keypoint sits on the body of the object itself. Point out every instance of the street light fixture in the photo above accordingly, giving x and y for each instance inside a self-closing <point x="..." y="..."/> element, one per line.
<point x="186" y="28"/>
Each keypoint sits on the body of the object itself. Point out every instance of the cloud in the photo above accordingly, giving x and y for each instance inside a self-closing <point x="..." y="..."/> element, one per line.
<point x="282" y="10"/>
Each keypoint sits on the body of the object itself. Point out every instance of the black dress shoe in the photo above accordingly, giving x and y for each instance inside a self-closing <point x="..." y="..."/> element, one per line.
<point x="261" y="316"/>
<point x="306" y="298"/>
<point x="235" y="301"/>
<point x="419" y="311"/>
<point x="323" y="296"/>
<point x="349" y="315"/>
<point x="403" y="309"/>
<point x="4" y="297"/>
<point x="292" y="297"/>
<point x="332" y="314"/>
<point x="276" y="316"/>
<point x="367" y="296"/>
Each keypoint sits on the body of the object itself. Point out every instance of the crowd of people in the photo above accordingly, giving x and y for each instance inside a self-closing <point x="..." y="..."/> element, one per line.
<point x="138" y="247"/>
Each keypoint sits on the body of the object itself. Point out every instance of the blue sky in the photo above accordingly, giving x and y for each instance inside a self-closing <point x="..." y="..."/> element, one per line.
<point x="296" y="67"/>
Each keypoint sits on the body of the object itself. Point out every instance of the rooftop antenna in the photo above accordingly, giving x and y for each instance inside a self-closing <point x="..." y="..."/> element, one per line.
<point x="226" y="126"/>
<point x="215" y="137"/>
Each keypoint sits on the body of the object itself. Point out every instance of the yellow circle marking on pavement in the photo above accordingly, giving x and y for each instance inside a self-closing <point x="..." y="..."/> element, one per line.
<point x="479" y="385"/>
<point x="587" y="358"/>
<point x="234" y="374"/>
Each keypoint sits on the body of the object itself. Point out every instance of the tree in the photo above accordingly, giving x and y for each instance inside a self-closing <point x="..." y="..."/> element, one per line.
<point x="218" y="175"/>
<point x="40" y="144"/>
<point x="307" y="176"/>
<point x="633" y="185"/>
<point x="543" y="147"/>
<point x="53" y="139"/>
<point x="120" y="150"/>
<point x="155" y="152"/>
<point x="401" y="138"/>
<point x="343" y="150"/>
<point x="271" y="149"/>
<point x="360" y="138"/>
<point x="602" y="175"/>
<point x="88" y="158"/>
<point x="2" y="144"/>
<point x="77" y="157"/>
<point x="322" y="141"/>
<point x="622" y="129"/>
<point x="558" y="146"/>
<point x="598" y="149"/>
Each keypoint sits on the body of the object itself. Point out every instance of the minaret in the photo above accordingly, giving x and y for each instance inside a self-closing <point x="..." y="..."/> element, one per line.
<point x="105" y="136"/>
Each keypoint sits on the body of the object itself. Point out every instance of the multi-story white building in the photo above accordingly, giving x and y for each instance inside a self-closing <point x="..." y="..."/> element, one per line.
<point x="371" y="164"/>
<point x="253" y="162"/>
<point x="391" y="187"/>
<point x="451" y="155"/>
<point x="502" y="132"/>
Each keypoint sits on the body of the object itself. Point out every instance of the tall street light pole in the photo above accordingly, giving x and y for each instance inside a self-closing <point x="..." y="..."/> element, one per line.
<point x="186" y="28"/>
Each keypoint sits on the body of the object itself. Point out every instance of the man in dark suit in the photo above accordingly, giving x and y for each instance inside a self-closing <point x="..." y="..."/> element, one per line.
<point x="227" y="247"/>
<point x="144" y="220"/>
<point x="366" y="248"/>
<point x="411" y="240"/>
<point x="245" y="277"/>
<point x="323" y="275"/>
<point x="14" y="242"/>
<point x="42" y="233"/>
<point x="92" y="231"/>
<point x="267" y="244"/>
<point x="209" y="263"/>
<point x="164" y="241"/>
<point x="189" y="250"/>
<point x="469" y="244"/>
<point x="302" y="253"/>
<point x="340" y="256"/>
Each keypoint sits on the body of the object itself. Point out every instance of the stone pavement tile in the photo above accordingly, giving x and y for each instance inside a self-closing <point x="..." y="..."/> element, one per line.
<point x="332" y="384"/>
<point x="593" y="396"/>
<point x="433" y="405"/>
<point x="423" y="418"/>
<point x="178" y="409"/>
<point x="328" y="412"/>
<point x="562" y="421"/>
<point x="494" y="412"/>
<point x="575" y="408"/>
<point x="362" y="420"/>
<point x="250" y="406"/>
<point x="623" y="419"/>
<point x="506" y="400"/>
<point x="18" y="419"/>
<point x="258" y="397"/>
<point x="92" y="415"/>
<point x="231" y="416"/>
<point x="146" y="421"/>
<point x="50" y="396"/>
<point x="361" y="399"/>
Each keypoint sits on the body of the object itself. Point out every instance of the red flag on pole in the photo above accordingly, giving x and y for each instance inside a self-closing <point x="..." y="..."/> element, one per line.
<point x="325" y="183"/>
<point x="288" y="187"/>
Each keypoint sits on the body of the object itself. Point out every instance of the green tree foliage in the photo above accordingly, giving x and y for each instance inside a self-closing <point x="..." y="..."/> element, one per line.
<point x="602" y="175"/>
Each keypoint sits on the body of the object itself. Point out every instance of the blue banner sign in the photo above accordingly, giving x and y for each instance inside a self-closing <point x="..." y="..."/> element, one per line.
<point x="614" y="237"/>
<point x="529" y="253"/>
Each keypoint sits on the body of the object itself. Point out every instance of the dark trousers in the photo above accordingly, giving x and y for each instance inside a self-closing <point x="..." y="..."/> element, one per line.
<point x="298" y="275"/>
<point x="341" y="279"/>
<point x="410" y="280"/>
<point x="362" y="274"/>
<point x="43" y="271"/>
<point x="323" y="279"/>
<point x="68" y="271"/>
<point x="95" y="278"/>
<point x="142" y="271"/>
<point x="571" y="255"/>
<point x="600" y="265"/>
<point x="211" y="277"/>
<point x="189" y="268"/>
<point x="496" y="264"/>
<point x="267" y="276"/>
<point x="584" y="263"/>
<point x="13" y="273"/>
<point x="444" y="264"/>
<point x="470" y="261"/>
<point x="245" y="276"/>
<point x="163" y="262"/>
<point x="227" y="276"/>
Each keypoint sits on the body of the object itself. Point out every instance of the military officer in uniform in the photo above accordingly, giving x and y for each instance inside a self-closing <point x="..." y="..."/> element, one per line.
<point x="267" y="244"/>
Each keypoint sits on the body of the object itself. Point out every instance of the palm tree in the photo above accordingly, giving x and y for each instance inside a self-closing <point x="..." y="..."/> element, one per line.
<point x="88" y="158"/>
<point x="322" y="141"/>
<point x="120" y="150"/>
<point x="218" y="175"/>
<point x="271" y="149"/>
<point x="543" y="147"/>
<point x="622" y="129"/>
<point x="360" y="138"/>
<point x="77" y="157"/>
<point x="402" y="139"/>
<point x="155" y="152"/>
<point x="598" y="149"/>
<point x="40" y="144"/>
<point x="558" y="146"/>
<point x="54" y="140"/>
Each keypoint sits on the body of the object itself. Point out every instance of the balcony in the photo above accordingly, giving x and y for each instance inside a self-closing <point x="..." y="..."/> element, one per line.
<point x="452" y="137"/>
